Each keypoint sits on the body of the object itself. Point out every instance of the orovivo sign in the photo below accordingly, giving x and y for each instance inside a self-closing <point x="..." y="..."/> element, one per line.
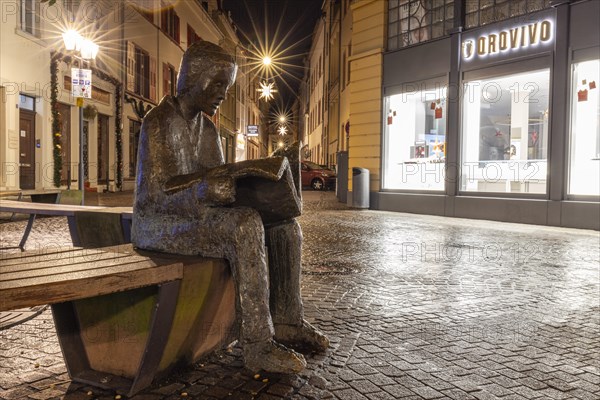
<point x="508" y="40"/>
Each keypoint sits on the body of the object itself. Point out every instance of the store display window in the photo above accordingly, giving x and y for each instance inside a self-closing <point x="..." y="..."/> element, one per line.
<point x="415" y="139"/>
<point x="505" y="134"/>
<point x="584" y="172"/>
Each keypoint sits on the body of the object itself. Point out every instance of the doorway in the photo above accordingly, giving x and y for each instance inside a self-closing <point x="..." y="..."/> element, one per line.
<point x="26" y="148"/>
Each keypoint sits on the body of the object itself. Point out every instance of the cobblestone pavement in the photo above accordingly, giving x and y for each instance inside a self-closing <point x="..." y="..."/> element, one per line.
<point x="417" y="307"/>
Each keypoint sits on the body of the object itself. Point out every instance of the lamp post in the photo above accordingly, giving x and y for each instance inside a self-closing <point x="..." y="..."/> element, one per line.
<point x="88" y="50"/>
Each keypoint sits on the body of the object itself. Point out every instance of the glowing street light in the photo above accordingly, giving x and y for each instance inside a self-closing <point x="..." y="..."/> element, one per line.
<point x="266" y="90"/>
<point x="72" y="40"/>
<point x="282" y="119"/>
<point x="89" y="49"/>
<point x="267" y="61"/>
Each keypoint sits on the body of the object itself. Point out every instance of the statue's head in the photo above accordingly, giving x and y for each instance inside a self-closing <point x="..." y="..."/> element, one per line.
<point x="206" y="73"/>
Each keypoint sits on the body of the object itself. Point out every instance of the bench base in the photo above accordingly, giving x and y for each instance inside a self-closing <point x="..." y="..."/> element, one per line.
<point x="123" y="341"/>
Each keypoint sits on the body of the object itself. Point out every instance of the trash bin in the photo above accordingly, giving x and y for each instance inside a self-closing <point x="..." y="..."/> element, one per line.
<point x="360" y="187"/>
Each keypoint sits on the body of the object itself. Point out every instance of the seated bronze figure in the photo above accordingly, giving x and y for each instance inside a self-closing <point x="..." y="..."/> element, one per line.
<point x="189" y="202"/>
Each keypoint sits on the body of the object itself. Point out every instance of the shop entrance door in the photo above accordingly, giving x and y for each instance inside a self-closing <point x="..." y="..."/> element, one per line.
<point x="27" y="149"/>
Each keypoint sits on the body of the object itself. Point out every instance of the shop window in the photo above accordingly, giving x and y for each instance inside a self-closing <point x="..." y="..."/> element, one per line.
<point x="415" y="140"/>
<point x="505" y="134"/>
<point x="30" y="17"/>
<point x="134" y="137"/>
<point x="584" y="173"/>
<point x="484" y="12"/>
<point x="416" y="21"/>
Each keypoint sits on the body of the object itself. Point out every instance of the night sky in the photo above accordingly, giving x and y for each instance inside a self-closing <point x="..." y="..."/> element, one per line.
<point x="288" y="24"/>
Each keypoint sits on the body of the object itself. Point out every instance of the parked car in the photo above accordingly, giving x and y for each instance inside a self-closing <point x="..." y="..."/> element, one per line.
<point x="318" y="177"/>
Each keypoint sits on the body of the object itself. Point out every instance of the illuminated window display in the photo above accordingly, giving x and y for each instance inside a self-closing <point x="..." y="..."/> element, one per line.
<point x="505" y="134"/>
<point x="415" y="139"/>
<point x="584" y="173"/>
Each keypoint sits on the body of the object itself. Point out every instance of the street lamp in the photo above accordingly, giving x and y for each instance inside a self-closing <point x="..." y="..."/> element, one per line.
<point x="88" y="50"/>
<point x="266" y="90"/>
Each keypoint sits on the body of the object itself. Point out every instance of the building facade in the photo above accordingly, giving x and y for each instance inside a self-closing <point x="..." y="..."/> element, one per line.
<point x="316" y="94"/>
<point x="339" y="28"/>
<point x="477" y="109"/>
<point x="141" y="44"/>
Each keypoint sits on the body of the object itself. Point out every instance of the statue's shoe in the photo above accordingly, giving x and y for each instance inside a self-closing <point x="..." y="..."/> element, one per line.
<point x="272" y="357"/>
<point x="303" y="337"/>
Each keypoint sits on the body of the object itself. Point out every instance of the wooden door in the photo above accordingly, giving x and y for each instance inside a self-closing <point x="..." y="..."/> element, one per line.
<point x="27" y="149"/>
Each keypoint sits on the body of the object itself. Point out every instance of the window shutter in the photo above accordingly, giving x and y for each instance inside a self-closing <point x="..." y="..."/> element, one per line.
<point x="164" y="20"/>
<point x="130" y="66"/>
<point x="177" y="30"/>
<point x="166" y="79"/>
<point x="152" y="78"/>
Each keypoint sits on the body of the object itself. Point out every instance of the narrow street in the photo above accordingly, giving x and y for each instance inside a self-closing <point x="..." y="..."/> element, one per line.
<point x="417" y="307"/>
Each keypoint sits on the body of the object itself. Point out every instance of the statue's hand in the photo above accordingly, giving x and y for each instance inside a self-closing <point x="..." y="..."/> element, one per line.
<point x="217" y="190"/>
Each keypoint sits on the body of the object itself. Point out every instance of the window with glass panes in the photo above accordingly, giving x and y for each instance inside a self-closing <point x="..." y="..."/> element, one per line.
<point x="415" y="21"/>
<point x="483" y="12"/>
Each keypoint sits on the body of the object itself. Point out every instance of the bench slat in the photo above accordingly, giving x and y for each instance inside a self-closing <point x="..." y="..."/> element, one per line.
<point x="124" y="269"/>
<point x="48" y="269"/>
<point x="58" y="252"/>
<point x="32" y="258"/>
<point x="22" y="207"/>
<point x="103" y="270"/>
<point x="58" y="289"/>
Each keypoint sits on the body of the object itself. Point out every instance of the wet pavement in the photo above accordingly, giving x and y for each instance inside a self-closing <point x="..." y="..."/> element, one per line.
<point x="417" y="307"/>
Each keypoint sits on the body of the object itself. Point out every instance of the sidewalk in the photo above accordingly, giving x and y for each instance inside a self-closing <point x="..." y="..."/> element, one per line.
<point x="417" y="307"/>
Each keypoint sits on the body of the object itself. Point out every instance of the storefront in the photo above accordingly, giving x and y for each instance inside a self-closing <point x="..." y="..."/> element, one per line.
<point x="500" y="121"/>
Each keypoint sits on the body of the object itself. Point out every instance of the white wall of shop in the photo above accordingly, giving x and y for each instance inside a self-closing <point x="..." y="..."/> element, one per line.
<point x="25" y="71"/>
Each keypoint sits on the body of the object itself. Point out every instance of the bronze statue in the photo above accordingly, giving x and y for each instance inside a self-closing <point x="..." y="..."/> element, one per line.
<point x="188" y="201"/>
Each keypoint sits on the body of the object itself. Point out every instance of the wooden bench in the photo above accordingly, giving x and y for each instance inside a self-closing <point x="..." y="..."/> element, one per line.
<point x="80" y="219"/>
<point x="124" y="317"/>
<point x="36" y="196"/>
